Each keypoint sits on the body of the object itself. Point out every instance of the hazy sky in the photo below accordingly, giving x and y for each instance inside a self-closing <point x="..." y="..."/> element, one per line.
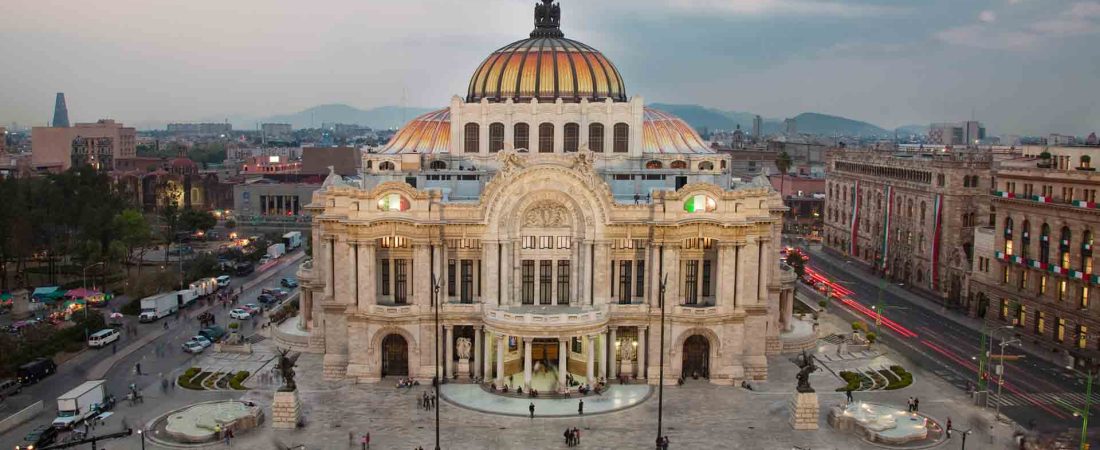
<point x="1021" y="66"/>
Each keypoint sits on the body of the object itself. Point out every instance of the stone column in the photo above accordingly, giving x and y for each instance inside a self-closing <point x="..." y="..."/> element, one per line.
<point x="500" y="360"/>
<point x="342" y="273"/>
<point x="575" y="273"/>
<point x="563" y="363"/>
<point x="655" y="278"/>
<point x="507" y="266"/>
<point x="444" y="275"/>
<point x="422" y="276"/>
<point x="351" y="273"/>
<point x="765" y="271"/>
<point x="448" y="351"/>
<point x="477" y="351"/>
<point x="613" y="348"/>
<point x="326" y="267"/>
<point x="487" y="370"/>
<point x="749" y="256"/>
<point x="490" y="272"/>
<point x="306" y="322"/>
<point x="642" y="350"/>
<point x="672" y="271"/>
<point x="723" y="270"/>
<point x="591" y="359"/>
<point x="600" y="268"/>
<point x="603" y="355"/>
<point x="589" y="273"/>
<point x="367" y="276"/>
<point x="527" y="363"/>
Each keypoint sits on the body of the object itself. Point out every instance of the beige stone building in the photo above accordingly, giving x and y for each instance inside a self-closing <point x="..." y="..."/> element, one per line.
<point x="910" y="214"/>
<point x="1037" y="271"/>
<point x="98" y="144"/>
<point x="541" y="213"/>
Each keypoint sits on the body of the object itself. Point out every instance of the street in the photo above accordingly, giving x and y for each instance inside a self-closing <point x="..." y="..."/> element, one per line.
<point x="948" y="344"/>
<point x="160" y="357"/>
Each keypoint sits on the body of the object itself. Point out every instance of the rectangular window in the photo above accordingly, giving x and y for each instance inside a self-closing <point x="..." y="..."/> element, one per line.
<point x="385" y="277"/>
<point x="639" y="280"/>
<point x="1023" y="280"/>
<point x="451" y="278"/>
<point x="1004" y="309"/>
<point x="706" y="277"/>
<point x="401" y="277"/>
<point x="530" y="241"/>
<point x="546" y="278"/>
<point x="1042" y="285"/>
<point x="1061" y="290"/>
<point x="467" y="291"/>
<point x="624" y="282"/>
<point x="691" y="283"/>
<point x="1021" y="316"/>
<point x="1004" y="275"/>
<point x="1084" y="297"/>
<point x="1060" y="329"/>
<point x="563" y="282"/>
<point x="527" y="290"/>
<point x="1082" y="336"/>
<point x="1008" y="247"/>
<point x="577" y="345"/>
<point x="1040" y="322"/>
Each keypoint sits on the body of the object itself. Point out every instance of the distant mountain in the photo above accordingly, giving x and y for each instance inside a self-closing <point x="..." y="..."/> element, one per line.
<point x="380" y="118"/>
<point x="921" y="130"/>
<point x="701" y="117"/>
<point x="826" y="125"/>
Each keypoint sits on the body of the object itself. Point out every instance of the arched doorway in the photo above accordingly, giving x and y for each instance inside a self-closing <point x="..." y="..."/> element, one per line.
<point x="395" y="356"/>
<point x="696" y="357"/>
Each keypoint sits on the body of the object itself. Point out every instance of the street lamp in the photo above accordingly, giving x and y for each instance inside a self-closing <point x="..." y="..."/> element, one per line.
<point x="661" y="373"/>
<point x="84" y="277"/>
<point x="438" y="359"/>
<point x="141" y="433"/>
<point x="1001" y="372"/>
<point x="1083" y="413"/>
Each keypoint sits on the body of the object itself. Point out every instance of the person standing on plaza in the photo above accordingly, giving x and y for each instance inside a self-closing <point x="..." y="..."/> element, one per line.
<point x="916" y="404"/>
<point x="848" y="394"/>
<point x="531" y="409"/>
<point x="910" y="404"/>
<point x="568" y="437"/>
<point x="576" y="436"/>
<point x="949" y="428"/>
<point x="580" y="407"/>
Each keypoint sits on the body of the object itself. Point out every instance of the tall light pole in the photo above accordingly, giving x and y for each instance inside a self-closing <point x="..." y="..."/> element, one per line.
<point x="1084" y="412"/>
<point x="1001" y="372"/>
<point x="438" y="360"/>
<point x="661" y="371"/>
<point x="84" y="276"/>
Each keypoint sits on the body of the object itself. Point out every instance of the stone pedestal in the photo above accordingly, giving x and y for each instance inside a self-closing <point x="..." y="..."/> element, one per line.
<point x="804" y="411"/>
<point x="286" y="410"/>
<point x="463" y="369"/>
<point x="626" y="369"/>
<point x="21" y="304"/>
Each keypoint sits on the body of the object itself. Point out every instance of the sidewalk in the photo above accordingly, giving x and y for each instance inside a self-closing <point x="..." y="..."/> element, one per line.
<point x="929" y="304"/>
<point x="100" y="369"/>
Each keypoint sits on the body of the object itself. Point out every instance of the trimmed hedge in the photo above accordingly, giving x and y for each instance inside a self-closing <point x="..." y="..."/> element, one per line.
<point x="904" y="378"/>
<point x="852" y="379"/>
<point x="237" y="379"/>
<point x="192" y="379"/>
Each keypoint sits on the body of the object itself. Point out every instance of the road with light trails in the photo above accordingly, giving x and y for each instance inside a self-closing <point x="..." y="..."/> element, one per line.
<point x="1034" y="389"/>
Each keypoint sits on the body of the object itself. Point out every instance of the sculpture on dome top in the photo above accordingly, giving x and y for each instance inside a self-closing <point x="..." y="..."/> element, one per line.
<point x="547" y="20"/>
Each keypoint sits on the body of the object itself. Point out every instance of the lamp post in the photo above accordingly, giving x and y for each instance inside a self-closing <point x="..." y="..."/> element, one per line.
<point x="1001" y="372"/>
<point x="1083" y="413"/>
<point x="84" y="276"/>
<point x="438" y="359"/>
<point x="142" y="434"/>
<point x="661" y="371"/>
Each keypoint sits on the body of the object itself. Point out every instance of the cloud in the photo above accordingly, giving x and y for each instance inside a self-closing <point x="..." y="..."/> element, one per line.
<point x="773" y="7"/>
<point x="1080" y="18"/>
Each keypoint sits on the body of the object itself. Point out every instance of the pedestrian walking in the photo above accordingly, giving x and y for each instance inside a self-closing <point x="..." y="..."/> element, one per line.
<point x="137" y="368"/>
<point x="532" y="409"/>
<point x="848" y="394"/>
<point x="568" y="437"/>
<point x="576" y="436"/>
<point x="580" y="407"/>
<point x="949" y="428"/>
<point x="909" y="404"/>
<point x="916" y="404"/>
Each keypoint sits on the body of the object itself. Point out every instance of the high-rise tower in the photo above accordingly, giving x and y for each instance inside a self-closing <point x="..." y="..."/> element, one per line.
<point x="60" y="112"/>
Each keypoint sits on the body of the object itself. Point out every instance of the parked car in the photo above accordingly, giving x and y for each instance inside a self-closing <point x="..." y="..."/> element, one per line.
<point x="289" y="282"/>
<point x="214" y="333"/>
<point x="266" y="298"/>
<point x="41" y="436"/>
<point x="103" y="337"/>
<point x="193" y="347"/>
<point x="252" y="308"/>
<point x="278" y="293"/>
<point x="9" y="388"/>
<point x="201" y="340"/>
<point x="238" y="313"/>
<point x="36" y="370"/>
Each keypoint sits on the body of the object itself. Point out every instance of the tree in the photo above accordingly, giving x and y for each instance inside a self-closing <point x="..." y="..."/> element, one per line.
<point x="134" y="233"/>
<point x="193" y="220"/>
<point x="783" y="163"/>
<point x="797" y="263"/>
<point x="170" y="218"/>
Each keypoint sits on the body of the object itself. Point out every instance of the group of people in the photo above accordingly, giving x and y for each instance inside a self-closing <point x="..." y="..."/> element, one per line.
<point x="572" y="437"/>
<point x="407" y="383"/>
<point x="428" y="401"/>
<point x="914" y="404"/>
<point x="662" y="442"/>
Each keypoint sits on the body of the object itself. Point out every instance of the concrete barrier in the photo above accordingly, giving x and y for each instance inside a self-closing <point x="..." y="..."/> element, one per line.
<point x="21" y="417"/>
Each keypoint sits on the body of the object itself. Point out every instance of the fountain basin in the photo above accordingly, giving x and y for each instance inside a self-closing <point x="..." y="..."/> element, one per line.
<point x="880" y="423"/>
<point x="200" y="423"/>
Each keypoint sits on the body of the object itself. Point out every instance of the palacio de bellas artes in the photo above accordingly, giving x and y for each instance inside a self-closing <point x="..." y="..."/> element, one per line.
<point x="544" y="212"/>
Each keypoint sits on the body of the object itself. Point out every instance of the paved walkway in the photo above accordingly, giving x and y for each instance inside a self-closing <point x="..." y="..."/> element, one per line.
<point x="472" y="396"/>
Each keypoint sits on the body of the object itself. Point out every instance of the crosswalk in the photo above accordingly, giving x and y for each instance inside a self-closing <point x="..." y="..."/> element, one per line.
<point x="1075" y="399"/>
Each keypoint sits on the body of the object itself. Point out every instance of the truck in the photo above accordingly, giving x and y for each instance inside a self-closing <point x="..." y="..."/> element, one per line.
<point x="292" y="240"/>
<point x="274" y="251"/>
<point x="186" y="297"/>
<point x="82" y="402"/>
<point x="158" y="306"/>
<point x="205" y="286"/>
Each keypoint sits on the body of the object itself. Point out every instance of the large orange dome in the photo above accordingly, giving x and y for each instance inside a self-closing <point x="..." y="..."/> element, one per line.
<point x="546" y="66"/>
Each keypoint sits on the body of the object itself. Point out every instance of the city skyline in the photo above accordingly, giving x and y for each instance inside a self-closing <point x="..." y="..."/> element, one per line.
<point x="874" y="61"/>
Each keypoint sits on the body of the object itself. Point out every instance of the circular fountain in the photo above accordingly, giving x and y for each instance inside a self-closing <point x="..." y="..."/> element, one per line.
<point x="200" y="423"/>
<point x="882" y="423"/>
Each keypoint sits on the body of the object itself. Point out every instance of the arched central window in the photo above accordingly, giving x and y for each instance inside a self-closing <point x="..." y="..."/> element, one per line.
<point x="473" y="141"/>
<point x="653" y="165"/>
<point x="595" y="137"/>
<point x="572" y="137"/>
<point x="1086" y="251"/>
<point x="1008" y="236"/>
<point x="385" y="165"/>
<point x="522" y="136"/>
<point x="678" y="165"/>
<point x="496" y="137"/>
<point x="622" y="137"/>
<point x="1044" y="244"/>
<point x="546" y="138"/>
<point x="1064" y="247"/>
<point x="1025" y="238"/>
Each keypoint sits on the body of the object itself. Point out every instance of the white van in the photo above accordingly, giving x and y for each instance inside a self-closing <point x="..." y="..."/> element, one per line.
<point x="103" y="337"/>
<point x="224" y="281"/>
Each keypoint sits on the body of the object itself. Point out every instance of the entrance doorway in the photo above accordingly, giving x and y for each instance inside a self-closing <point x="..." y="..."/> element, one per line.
<point x="395" y="356"/>
<point x="696" y="357"/>
<point x="545" y="351"/>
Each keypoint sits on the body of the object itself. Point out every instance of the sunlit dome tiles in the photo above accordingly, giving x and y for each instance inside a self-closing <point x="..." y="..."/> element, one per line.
<point x="666" y="133"/>
<point x="429" y="133"/>
<point x="546" y="68"/>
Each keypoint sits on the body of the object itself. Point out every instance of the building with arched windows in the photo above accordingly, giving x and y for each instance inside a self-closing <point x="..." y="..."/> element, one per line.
<point x="541" y="213"/>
